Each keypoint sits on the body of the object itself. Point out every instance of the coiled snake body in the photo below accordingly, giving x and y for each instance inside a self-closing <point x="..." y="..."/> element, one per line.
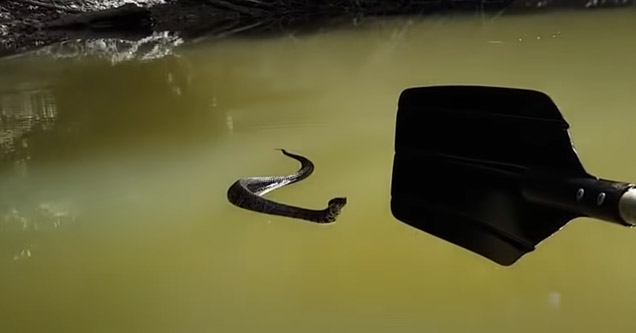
<point x="247" y="193"/>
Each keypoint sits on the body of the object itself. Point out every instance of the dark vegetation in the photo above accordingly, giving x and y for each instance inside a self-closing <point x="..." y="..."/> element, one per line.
<point x="29" y="24"/>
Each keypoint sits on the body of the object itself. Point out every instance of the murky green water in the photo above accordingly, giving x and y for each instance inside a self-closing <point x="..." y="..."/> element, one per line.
<point x="113" y="216"/>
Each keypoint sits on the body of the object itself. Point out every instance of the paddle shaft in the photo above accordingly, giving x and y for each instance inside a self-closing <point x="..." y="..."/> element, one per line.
<point x="588" y="196"/>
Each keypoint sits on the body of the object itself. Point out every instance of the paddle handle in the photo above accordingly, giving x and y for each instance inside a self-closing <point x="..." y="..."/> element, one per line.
<point x="586" y="196"/>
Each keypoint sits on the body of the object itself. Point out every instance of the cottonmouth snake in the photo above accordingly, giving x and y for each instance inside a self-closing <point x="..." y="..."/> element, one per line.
<point x="247" y="193"/>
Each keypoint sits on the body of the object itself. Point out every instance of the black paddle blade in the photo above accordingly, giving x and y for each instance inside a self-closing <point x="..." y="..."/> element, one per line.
<point x="461" y="153"/>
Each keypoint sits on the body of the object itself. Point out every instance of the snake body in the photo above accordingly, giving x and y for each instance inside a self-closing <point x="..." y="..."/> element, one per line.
<point x="248" y="193"/>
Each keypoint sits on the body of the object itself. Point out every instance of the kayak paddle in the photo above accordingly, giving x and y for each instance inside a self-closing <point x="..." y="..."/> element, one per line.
<point x="494" y="170"/>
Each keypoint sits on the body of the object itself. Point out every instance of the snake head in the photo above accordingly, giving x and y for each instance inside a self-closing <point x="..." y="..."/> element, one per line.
<point x="336" y="204"/>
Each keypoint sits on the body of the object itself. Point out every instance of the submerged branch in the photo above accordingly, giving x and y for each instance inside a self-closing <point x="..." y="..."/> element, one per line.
<point x="241" y="28"/>
<point x="257" y="3"/>
<point x="221" y="4"/>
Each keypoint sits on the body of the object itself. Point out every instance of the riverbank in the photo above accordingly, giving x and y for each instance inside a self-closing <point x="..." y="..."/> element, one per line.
<point x="27" y="25"/>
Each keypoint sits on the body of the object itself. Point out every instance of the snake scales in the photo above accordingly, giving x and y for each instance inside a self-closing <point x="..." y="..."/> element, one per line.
<point x="248" y="193"/>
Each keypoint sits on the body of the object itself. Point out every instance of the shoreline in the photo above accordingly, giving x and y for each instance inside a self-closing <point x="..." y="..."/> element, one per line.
<point x="28" y="25"/>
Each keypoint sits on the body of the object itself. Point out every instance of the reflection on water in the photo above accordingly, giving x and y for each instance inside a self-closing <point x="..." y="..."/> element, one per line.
<point x="155" y="46"/>
<point x="21" y="113"/>
<point x="113" y="214"/>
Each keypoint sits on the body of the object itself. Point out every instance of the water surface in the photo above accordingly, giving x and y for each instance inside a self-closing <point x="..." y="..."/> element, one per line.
<point x="113" y="216"/>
